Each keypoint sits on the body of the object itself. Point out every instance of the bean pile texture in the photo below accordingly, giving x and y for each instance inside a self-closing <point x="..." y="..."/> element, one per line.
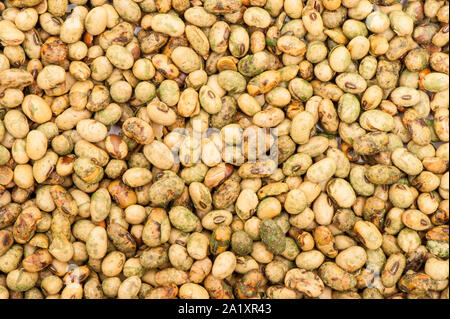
<point x="102" y="196"/>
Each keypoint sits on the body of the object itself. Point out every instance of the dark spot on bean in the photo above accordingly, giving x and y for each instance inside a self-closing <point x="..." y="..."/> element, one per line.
<point x="6" y="240"/>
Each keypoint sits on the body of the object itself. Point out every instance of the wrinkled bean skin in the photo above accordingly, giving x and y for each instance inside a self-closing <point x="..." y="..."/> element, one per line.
<point x="305" y="282"/>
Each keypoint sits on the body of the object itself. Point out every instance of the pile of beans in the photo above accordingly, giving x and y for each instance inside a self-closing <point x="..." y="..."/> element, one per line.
<point x="224" y="149"/>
